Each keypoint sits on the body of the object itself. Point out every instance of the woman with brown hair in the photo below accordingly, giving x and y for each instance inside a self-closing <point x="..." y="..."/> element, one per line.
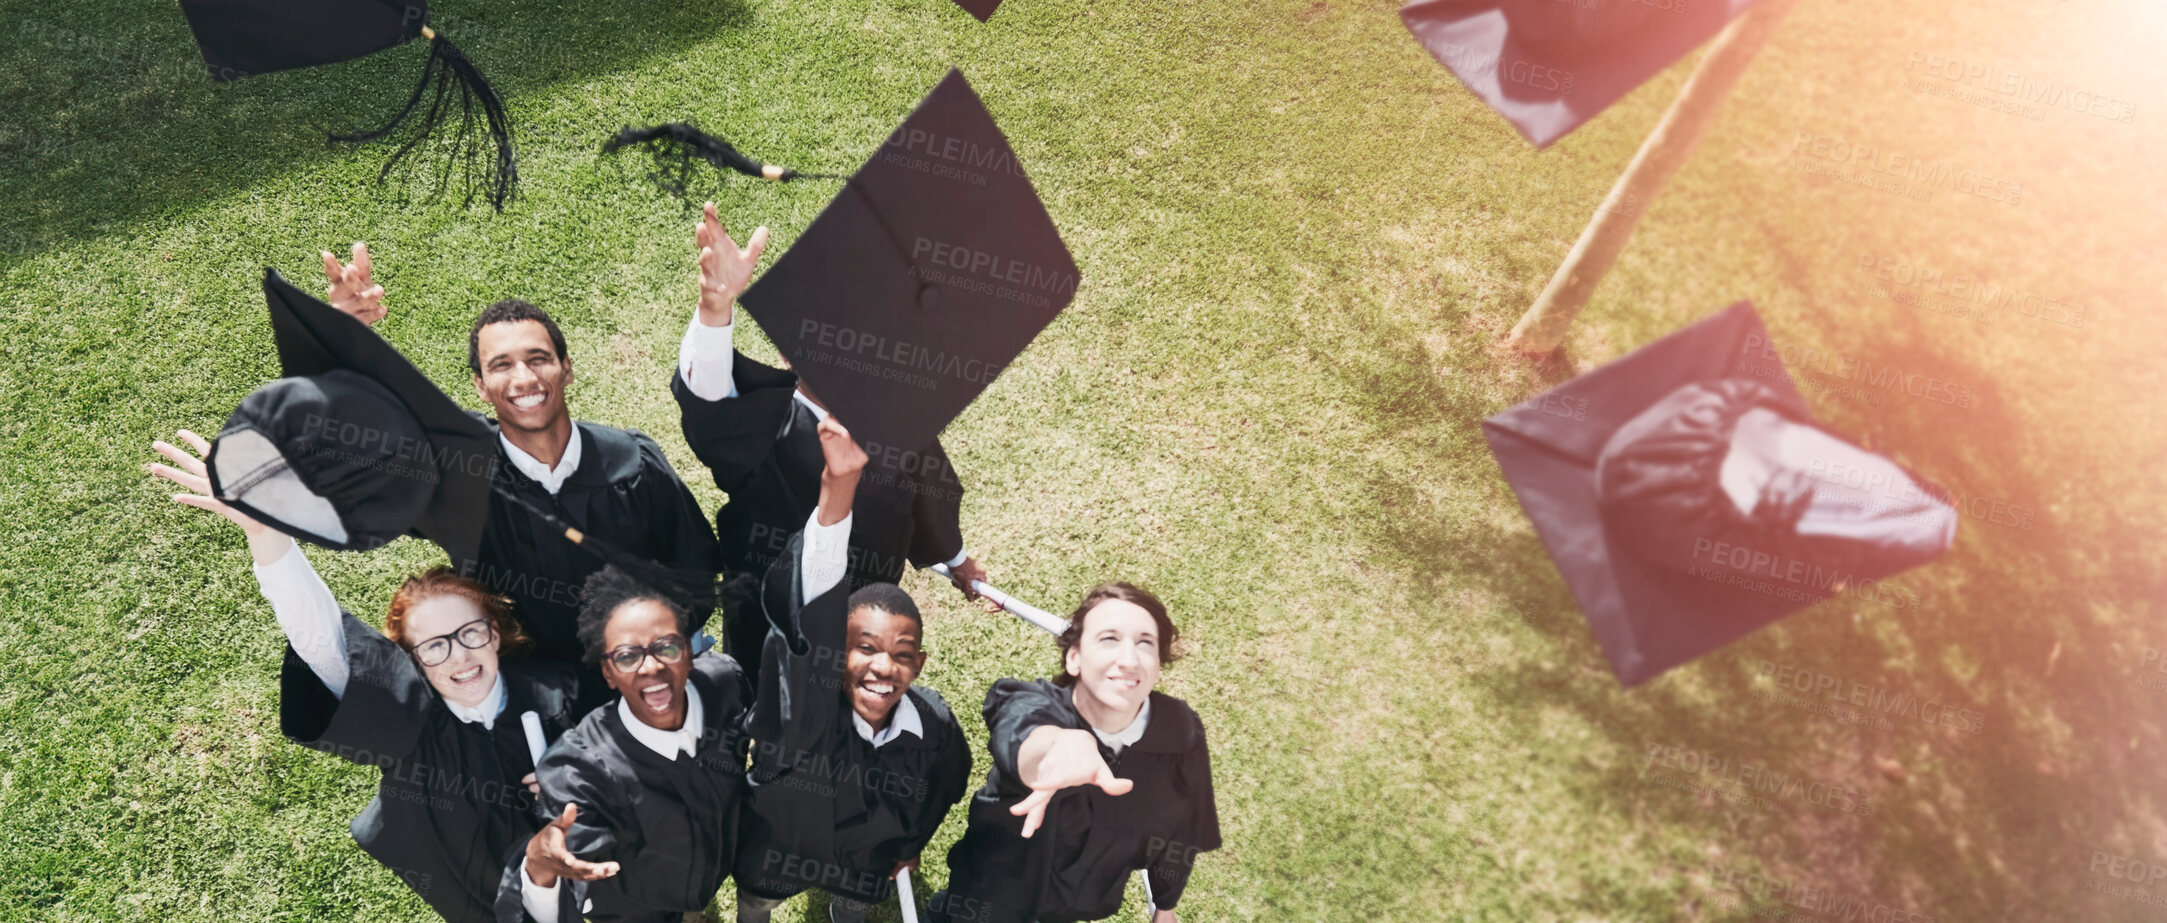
<point x="1094" y="775"/>
<point x="429" y="701"/>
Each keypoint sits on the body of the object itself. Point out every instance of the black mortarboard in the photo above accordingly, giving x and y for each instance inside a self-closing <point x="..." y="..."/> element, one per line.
<point x="240" y="38"/>
<point x="1549" y="65"/>
<point x="353" y="446"/>
<point x="931" y="270"/>
<point x="1688" y="498"/>
<point x="983" y="9"/>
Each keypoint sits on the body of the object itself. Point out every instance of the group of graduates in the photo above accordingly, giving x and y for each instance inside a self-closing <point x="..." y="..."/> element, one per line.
<point x="562" y="738"/>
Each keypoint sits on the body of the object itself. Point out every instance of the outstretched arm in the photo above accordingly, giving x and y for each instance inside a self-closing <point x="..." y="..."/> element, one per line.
<point x="300" y="601"/>
<point x="703" y="358"/>
<point x="1054" y="758"/>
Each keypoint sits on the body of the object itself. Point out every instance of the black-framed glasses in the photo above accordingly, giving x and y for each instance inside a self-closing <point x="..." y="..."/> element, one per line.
<point x="666" y="650"/>
<point x="473" y="636"/>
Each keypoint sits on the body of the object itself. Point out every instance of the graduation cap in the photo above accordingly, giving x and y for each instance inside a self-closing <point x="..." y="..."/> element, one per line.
<point x="240" y="38"/>
<point x="1688" y="497"/>
<point x="931" y="270"/>
<point x="354" y="447"/>
<point x="983" y="9"/>
<point x="678" y="146"/>
<point x="1549" y="65"/>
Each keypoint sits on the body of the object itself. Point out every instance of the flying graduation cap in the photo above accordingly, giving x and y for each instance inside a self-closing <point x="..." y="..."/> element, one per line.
<point x="1549" y="65"/>
<point x="926" y="275"/>
<point x="241" y="38"/>
<point x="354" y="447"/>
<point x="983" y="9"/>
<point x="1688" y="497"/>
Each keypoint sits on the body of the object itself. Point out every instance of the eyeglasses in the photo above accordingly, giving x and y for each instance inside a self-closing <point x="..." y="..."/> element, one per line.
<point x="665" y="650"/>
<point x="473" y="635"/>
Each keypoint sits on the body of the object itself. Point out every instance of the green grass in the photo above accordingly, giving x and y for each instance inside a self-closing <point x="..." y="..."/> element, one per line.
<point x="1300" y="240"/>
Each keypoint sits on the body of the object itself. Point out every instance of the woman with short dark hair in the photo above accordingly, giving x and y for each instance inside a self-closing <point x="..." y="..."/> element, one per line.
<point x="1094" y="775"/>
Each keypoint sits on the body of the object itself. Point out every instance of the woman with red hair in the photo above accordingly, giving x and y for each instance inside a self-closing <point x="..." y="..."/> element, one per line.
<point x="429" y="701"/>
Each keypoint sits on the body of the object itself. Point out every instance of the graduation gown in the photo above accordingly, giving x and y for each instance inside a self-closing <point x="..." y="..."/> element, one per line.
<point x="1075" y="865"/>
<point x="623" y="491"/>
<point x="763" y="451"/>
<point x="450" y="802"/>
<point x="827" y="809"/>
<point x="671" y="824"/>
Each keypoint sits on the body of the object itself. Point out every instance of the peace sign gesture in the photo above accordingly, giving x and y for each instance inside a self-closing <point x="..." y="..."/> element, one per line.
<point x="351" y="290"/>
<point x="725" y="270"/>
<point x="1056" y="758"/>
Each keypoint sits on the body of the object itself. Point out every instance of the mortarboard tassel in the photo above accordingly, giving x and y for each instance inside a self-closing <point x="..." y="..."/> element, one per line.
<point x="677" y="144"/>
<point x="448" y="67"/>
<point x="689" y="589"/>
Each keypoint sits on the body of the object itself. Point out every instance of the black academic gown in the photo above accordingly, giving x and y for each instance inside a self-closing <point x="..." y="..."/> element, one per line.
<point x="670" y="824"/>
<point x="450" y="802"/>
<point x="764" y="451"/>
<point x="1076" y="864"/>
<point x="623" y="491"/>
<point x="827" y="810"/>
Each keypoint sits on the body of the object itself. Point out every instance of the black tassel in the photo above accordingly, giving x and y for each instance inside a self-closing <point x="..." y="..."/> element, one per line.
<point x="677" y="145"/>
<point x="447" y="68"/>
<point x="693" y="590"/>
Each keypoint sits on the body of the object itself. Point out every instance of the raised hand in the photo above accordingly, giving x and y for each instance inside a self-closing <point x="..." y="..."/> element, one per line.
<point x="549" y="860"/>
<point x="1069" y="758"/>
<point x="839" y="480"/>
<point x="350" y="289"/>
<point x="725" y="270"/>
<point x="265" y="543"/>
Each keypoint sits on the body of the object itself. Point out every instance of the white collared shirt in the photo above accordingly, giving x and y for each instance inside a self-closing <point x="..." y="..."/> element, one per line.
<point x="1128" y="735"/>
<point x="903" y="720"/>
<point x="551" y="479"/>
<point x="668" y="743"/>
<point x="486" y="713"/>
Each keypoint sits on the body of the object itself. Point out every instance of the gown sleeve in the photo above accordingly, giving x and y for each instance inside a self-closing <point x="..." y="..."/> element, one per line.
<point x="1015" y="708"/>
<point x="1169" y="874"/>
<point x="801" y="663"/>
<point x="936" y="512"/>
<point x="605" y="831"/>
<point x="732" y="436"/>
<point x="949" y="781"/>
<point x="378" y="720"/>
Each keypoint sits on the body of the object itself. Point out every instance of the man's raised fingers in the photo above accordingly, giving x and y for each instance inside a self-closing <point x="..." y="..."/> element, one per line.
<point x="756" y="245"/>
<point x="332" y="270"/>
<point x="361" y="258"/>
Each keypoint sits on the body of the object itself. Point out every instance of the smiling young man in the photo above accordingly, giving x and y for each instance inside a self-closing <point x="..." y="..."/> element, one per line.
<point x="854" y="767"/>
<point x="608" y="482"/>
<point x="647" y="790"/>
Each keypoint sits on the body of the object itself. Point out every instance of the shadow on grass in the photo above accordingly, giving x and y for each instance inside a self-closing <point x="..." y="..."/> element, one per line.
<point x="109" y="118"/>
<point x="1962" y="825"/>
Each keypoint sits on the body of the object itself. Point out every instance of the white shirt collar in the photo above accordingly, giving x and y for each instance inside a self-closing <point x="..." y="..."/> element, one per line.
<point x="1129" y="735"/>
<point x="668" y="743"/>
<point x="820" y="414"/>
<point x="904" y="719"/>
<point x="486" y="713"/>
<point x="550" y="478"/>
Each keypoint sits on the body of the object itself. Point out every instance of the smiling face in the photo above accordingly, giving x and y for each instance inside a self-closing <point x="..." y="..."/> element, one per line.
<point x="522" y="375"/>
<point x="1115" y="662"/>
<point x="655" y="691"/>
<point x="468" y="673"/>
<point x="882" y="661"/>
